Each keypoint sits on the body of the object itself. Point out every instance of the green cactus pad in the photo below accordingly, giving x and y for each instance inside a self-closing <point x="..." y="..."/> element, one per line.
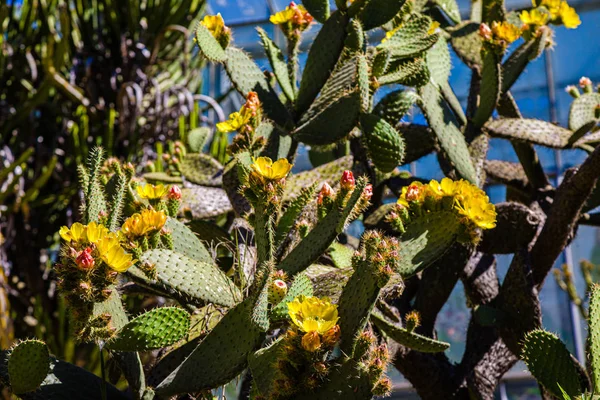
<point x="322" y="57"/>
<point x="197" y="138"/>
<point x="466" y="42"/>
<point x="221" y="356"/>
<point x="594" y="336"/>
<point x="340" y="254"/>
<point x="186" y="242"/>
<point x="426" y="239"/>
<point x="419" y="140"/>
<point x="318" y="9"/>
<point x="197" y="281"/>
<point x="439" y="62"/>
<point x="444" y="124"/>
<point x="28" y="365"/>
<point x="278" y="64"/>
<point x="407" y="338"/>
<point x="202" y="169"/>
<point x="355" y="38"/>
<point x="450" y="7"/>
<point x="514" y="66"/>
<point x="529" y="130"/>
<point x="293" y="210"/>
<point x="347" y="381"/>
<point x="157" y="328"/>
<point x="247" y="77"/>
<point x="67" y="381"/>
<point x="161" y="177"/>
<point x="330" y="173"/>
<point x="395" y="105"/>
<point x="331" y="282"/>
<point x="205" y="202"/>
<point x="584" y="110"/>
<point x="409" y="72"/>
<point x="320" y="237"/>
<point x="209" y="47"/>
<point x="381" y="62"/>
<point x="301" y="286"/>
<point x="411" y="39"/>
<point x="114" y="307"/>
<point x="550" y="362"/>
<point x="262" y="364"/>
<point x="490" y="88"/>
<point x="384" y="143"/>
<point x="378" y="12"/>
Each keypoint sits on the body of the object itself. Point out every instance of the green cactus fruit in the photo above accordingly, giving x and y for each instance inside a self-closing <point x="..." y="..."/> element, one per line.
<point x="223" y="353"/>
<point x="466" y="42"/>
<point x="329" y="173"/>
<point x="183" y="277"/>
<point x="584" y="110"/>
<point x="450" y="7"/>
<point x="205" y="202"/>
<point x="247" y="77"/>
<point x="395" y="105"/>
<point x="378" y="12"/>
<point x="408" y="72"/>
<point x="550" y="362"/>
<point x="384" y="143"/>
<point x="490" y="88"/>
<point x="411" y="39"/>
<point x="318" y="9"/>
<point x="186" y="242"/>
<point x="157" y="328"/>
<point x="293" y="211"/>
<point x="67" y="381"/>
<point x="594" y="336"/>
<point x="197" y="138"/>
<point x="262" y="364"/>
<point x="209" y="46"/>
<point x="320" y="237"/>
<point x="444" y="124"/>
<point x="514" y="66"/>
<point x="322" y="57"/>
<point x="407" y="338"/>
<point x="278" y="64"/>
<point x="340" y="254"/>
<point x="426" y="239"/>
<point x="277" y="291"/>
<point x="161" y="177"/>
<point x="301" y="286"/>
<point x="202" y="169"/>
<point x="28" y="365"/>
<point x="529" y="130"/>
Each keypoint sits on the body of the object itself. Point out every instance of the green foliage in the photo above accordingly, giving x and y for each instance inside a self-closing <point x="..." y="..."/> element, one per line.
<point x="28" y="365"/>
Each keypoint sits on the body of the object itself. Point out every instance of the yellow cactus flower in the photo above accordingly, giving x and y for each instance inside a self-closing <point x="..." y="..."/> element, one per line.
<point x="273" y="171"/>
<point x="95" y="232"/>
<point x="505" y="32"/>
<point x="293" y="17"/>
<point x="535" y="17"/>
<point x="473" y="203"/>
<point x="553" y="7"/>
<point x="390" y="33"/>
<point x="76" y="233"/>
<point x="282" y="17"/>
<point x="152" y="192"/>
<point x="433" y="27"/>
<point x="154" y="220"/>
<point x="311" y="314"/>
<point x="141" y="224"/>
<point x="116" y="257"/>
<point x="106" y="243"/>
<point x="416" y="191"/>
<point x="133" y="226"/>
<point x="569" y="16"/>
<point x="236" y="121"/>
<point x="215" y="24"/>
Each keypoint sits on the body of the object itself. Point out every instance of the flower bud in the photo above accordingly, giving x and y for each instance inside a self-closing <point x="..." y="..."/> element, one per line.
<point x="332" y="336"/>
<point x="368" y="192"/>
<point x="174" y="193"/>
<point x="383" y="387"/>
<point x="485" y="32"/>
<point x="311" y="342"/>
<point x="84" y="260"/>
<point x="585" y="81"/>
<point x="413" y="193"/>
<point x="326" y="192"/>
<point x="413" y="320"/>
<point x="347" y="182"/>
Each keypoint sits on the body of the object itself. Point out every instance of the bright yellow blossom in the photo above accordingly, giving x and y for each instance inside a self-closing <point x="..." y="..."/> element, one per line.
<point x="311" y="314"/>
<point x="76" y="233"/>
<point x="114" y="255"/>
<point x="473" y="203"/>
<point x="390" y="33"/>
<point x="273" y="171"/>
<point x="553" y="7"/>
<point x="505" y="32"/>
<point x="141" y="224"/>
<point x="236" y="121"/>
<point x="282" y="17"/>
<point x="152" y="192"/>
<point x="215" y="24"/>
<point x="95" y="232"/>
<point x="534" y="17"/>
<point x="293" y="17"/>
<point x="569" y="16"/>
<point x="433" y="27"/>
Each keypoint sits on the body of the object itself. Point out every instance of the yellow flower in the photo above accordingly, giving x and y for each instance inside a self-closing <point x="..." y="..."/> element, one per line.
<point x="311" y="314"/>
<point x="553" y="7"/>
<point x="294" y="17"/>
<point x="76" y="233"/>
<point x="433" y="27"/>
<point x="390" y="33"/>
<point x="133" y="226"/>
<point x="282" y="17"/>
<point x="106" y="243"/>
<point x="311" y="341"/>
<point x="114" y="255"/>
<point x="95" y="232"/>
<point x="413" y="192"/>
<point x="569" y="16"/>
<point x="215" y="24"/>
<point x="154" y="220"/>
<point x="141" y="224"/>
<point x="236" y="121"/>
<point x="474" y="204"/>
<point x="265" y="167"/>
<point x="152" y="192"/>
<point x="506" y="32"/>
<point x="534" y="17"/>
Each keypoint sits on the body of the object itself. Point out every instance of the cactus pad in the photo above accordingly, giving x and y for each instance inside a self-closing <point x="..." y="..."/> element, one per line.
<point x="407" y="338"/>
<point x="197" y="138"/>
<point x="262" y="364"/>
<point x="205" y="202"/>
<point x="384" y="143"/>
<point x="594" y="336"/>
<point x="186" y="242"/>
<point x="466" y="42"/>
<point x="584" y="110"/>
<point x="550" y="363"/>
<point x="301" y="286"/>
<point x="529" y="130"/>
<point x="408" y="72"/>
<point x="197" y="281"/>
<point x="202" y="169"/>
<point x="157" y="328"/>
<point x="395" y="105"/>
<point x="161" y="177"/>
<point x="28" y="365"/>
<point x="490" y="88"/>
<point x="278" y="64"/>
<point x="411" y="39"/>
<point x="329" y="173"/>
<point x="318" y="9"/>
<point x="209" y="47"/>
<point x="378" y="12"/>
